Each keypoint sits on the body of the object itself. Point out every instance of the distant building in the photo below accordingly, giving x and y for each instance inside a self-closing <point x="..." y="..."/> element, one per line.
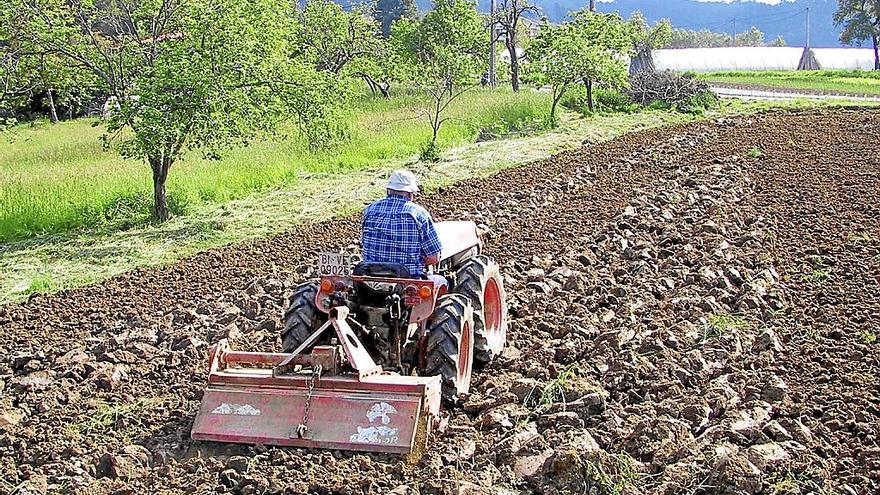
<point x="754" y="58"/>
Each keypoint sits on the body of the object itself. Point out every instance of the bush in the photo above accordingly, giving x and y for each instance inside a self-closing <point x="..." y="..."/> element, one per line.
<point x="684" y="92"/>
<point x="429" y="152"/>
<point x="604" y="100"/>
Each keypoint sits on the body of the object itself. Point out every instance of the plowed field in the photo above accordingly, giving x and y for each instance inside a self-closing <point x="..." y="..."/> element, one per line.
<point x="694" y="310"/>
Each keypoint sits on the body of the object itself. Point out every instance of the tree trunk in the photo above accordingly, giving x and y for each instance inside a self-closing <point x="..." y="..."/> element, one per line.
<point x="53" y="114"/>
<point x="589" y="84"/>
<point x="514" y="61"/>
<point x="435" y="127"/>
<point x="557" y="95"/>
<point x="876" y="52"/>
<point x="385" y="88"/>
<point x="160" y="168"/>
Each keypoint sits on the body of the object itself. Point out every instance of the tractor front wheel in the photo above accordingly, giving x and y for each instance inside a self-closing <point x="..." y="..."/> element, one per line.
<point x="480" y="280"/>
<point x="301" y="318"/>
<point x="450" y="347"/>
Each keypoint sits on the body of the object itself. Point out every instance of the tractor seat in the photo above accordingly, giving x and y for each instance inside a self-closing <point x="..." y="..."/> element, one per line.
<point x="381" y="269"/>
<point x="375" y="293"/>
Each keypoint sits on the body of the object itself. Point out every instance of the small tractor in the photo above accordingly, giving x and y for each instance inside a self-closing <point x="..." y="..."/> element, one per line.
<point x="368" y="354"/>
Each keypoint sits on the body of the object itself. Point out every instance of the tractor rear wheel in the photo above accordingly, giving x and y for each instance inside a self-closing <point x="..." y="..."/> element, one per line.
<point x="301" y="318"/>
<point x="480" y="280"/>
<point x="450" y="347"/>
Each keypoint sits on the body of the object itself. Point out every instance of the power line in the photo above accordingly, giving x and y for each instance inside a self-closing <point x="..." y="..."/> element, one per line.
<point x="768" y="18"/>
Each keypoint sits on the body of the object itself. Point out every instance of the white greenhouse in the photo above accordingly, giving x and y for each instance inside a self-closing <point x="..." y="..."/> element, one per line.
<point x="754" y="58"/>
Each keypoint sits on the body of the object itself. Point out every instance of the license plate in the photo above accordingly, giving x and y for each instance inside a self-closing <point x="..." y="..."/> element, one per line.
<point x="334" y="265"/>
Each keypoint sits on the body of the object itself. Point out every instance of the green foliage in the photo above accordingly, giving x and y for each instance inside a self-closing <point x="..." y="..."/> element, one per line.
<point x="869" y="337"/>
<point x="647" y="37"/>
<point x="508" y="26"/>
<point x="332" y="38"/>
<point x="704" y="38"/>
<point x="720" y="324"/>
<point x="442" y="55"/>
<point x="429" y="152"/>
<point x="819" y="275"/>
<point x="607" y="101"/>
<point x="32" y="75"/>
<point x="229" y="79"/>
<point x="41" y="284"/>
<point x="611" y="474"/>
<point x="119" y="417"/>
<point x="755" y="152"/>
<point x="112" y="40"/>
<point x="388" y="11"/>
<point x="590" y="48"/>
<point x="554" y="390"/>
<point x="698" y="103"/>
<point x="861" y="21"/>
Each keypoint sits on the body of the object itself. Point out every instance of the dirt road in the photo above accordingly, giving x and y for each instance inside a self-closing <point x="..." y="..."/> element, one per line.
<point x="695" y="310"/>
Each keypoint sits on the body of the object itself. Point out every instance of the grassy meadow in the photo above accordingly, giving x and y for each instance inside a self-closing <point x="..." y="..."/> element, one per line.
<point x="857" y="82"/>
<point x="54" y="178"/>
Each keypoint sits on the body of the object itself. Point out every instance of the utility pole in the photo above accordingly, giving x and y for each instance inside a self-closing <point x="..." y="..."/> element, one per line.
<point x="734" y="31"/>
<point x="808" y="27"/>
<point x="491" y="75"/>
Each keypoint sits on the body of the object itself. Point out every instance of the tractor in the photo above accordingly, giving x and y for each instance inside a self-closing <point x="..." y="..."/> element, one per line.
<point x="399" y="346"/>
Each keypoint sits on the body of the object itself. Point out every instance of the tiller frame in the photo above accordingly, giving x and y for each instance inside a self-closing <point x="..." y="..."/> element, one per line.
<point x="334" y="397"/>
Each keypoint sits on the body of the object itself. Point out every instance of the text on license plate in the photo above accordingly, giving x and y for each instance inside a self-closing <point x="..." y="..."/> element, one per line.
<point x="334" y="265"/>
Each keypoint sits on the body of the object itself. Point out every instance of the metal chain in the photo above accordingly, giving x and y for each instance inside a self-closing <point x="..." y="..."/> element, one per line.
<point x="301" y="429"/>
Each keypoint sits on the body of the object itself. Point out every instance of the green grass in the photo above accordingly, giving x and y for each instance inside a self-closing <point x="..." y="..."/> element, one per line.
<point x="755" y="152"/>
<point x="719" y="324"/>
<point x="54" y="178"/>
<point x="832" y="81"/>
<point x="818" y="276"/>
<point x="120" y="417"/>
<point x="554" y="390"/>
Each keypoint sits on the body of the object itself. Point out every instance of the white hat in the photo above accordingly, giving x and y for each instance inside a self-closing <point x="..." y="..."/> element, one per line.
<point x="403" y="180"/>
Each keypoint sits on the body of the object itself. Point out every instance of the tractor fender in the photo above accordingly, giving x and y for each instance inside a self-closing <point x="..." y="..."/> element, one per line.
<point x="457" y="238"/>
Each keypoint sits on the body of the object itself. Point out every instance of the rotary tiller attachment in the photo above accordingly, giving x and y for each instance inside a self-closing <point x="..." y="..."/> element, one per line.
<point x="334" y="397"/>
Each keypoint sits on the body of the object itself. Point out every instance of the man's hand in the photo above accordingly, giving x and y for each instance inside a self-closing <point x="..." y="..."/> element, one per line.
<point x="432" y="260"/>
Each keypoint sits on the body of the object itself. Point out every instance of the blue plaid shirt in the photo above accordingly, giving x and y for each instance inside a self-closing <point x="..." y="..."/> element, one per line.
<point x="396" y="230"/>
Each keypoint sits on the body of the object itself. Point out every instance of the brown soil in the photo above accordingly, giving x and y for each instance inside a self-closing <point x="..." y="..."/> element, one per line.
<point x="693" y="311"/>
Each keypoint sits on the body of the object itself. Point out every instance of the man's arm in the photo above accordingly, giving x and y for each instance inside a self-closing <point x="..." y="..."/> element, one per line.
<point x="430" y="242"/>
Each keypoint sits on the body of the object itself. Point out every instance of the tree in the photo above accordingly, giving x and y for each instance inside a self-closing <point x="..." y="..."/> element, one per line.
<point x="227" y="78"/>
<point x="113" y="39"/>
<point x="752" y="37"/>
<point x="777" y="41"/>
<point x="553" y="56"/>
<point x="605" y="42"/>
<point x="508" y="18"/>
<point x="647" y="38"/>
<point x="443" y="55"/>
<point x="590" y="48"/>
<point x="334" y="38"/>
<point x="704" y="38"/>
<point x="861" y="21"/>
<point x="388" y="11"/>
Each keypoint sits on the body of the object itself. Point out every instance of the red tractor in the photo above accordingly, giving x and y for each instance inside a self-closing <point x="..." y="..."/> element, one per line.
<point x="387" y="326"/>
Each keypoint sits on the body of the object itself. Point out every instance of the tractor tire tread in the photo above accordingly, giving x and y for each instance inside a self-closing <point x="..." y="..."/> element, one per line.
<point x="300" y="317"/>
<point x="444" y="339"/>
<point x="470" y="281"/>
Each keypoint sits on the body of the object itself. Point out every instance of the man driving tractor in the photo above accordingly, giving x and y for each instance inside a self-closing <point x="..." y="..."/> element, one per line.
<point x="397" y="230"/>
